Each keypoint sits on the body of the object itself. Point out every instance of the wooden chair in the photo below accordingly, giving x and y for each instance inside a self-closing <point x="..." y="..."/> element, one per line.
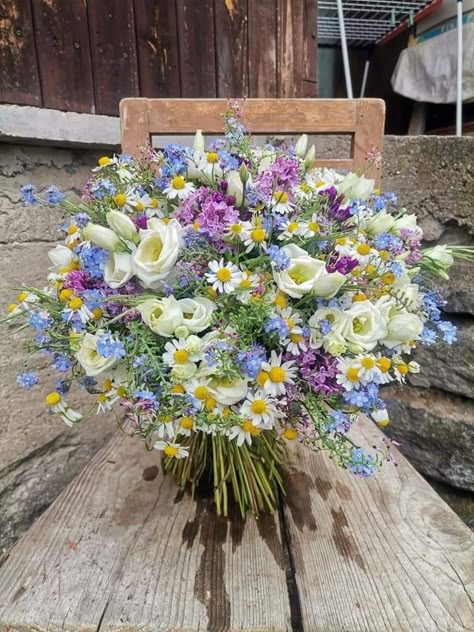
<point x="363" y="119"/>
<point x="123" y="549"/>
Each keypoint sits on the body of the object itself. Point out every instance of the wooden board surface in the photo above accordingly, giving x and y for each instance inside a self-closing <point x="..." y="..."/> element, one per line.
<point x="379" y="554"/>
<point x="123" y="549"/>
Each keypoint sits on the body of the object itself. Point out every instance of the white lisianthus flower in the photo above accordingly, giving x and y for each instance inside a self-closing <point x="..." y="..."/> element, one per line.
<point x="92" y="362"/>
<point x="354" y="186"/>
<point x="362" y="326"/>
<point x="301" y="145"/>
<point x="228" y="392"/>
<point x="301" y="275"/>
<point x="403" y="327"/>
<point x="380" y="222"/>
<point x="123" y="226"/>
<point x="328" y="284"/>
<point x="103" y="237"/>
<point x="163" y="316"/>
<point x="157" y="252"/>
<point x="118" y="269"/>
<point x="406" y="221"/>
<point x="441" y="257"/>
<point x="61" y="257"/>
<point x="197" y="313"/>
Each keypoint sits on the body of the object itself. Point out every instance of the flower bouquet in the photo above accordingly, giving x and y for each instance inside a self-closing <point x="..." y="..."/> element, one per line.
<point x="228" y="300"/>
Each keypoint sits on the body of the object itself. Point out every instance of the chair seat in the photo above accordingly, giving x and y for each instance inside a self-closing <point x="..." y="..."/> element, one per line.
<point x="123" y="549"/>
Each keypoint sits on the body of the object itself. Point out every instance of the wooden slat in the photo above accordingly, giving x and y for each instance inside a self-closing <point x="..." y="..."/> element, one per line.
<point x="379" y="554"/>
<point x="310" y="41"/>
<point x="134" y="124"/>
<point x="231" y="47"/>
<point x="157" y="40"/>
<point x="290" y="48"/>
<point x="122" y="549"/>
<point x="62" y="44"/>
<point x="262" y="25"/>
<point x="114" y="52"/>
<point x="369" y="133"/>
<point x="196" y="48"/>
<point x="19" y="81"/>
<point x="262" y="115"/>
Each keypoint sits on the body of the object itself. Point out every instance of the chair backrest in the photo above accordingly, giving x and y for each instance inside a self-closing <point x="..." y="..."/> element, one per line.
<point x="363" y="119"/>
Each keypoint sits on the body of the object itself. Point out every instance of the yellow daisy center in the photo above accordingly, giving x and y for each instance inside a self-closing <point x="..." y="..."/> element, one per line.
<point x="249" y="427"/>
<point x="104" y="161"/>
<point x="75" y="303"/>
<point x="210" y="403"/>
<point x="12" y="307"/>
<point x="384" y="364"/>
<point x="97" y="313"/>
<point x="290" y="434"/>
<point x="153" y="203"/>
<point x="107" y="385"/>
<point x="281" y="197"/>
<point x="352" y="374"/>
<point x="281" y="301"/>
<point x="245" y="283"/>
<point x="212" y="157"/>
<point x="178" y="182"/>
<point x="262" y="377"/>
<point x="258" y="235"/>
<point x="402" y="368"/>
<point x="314" y="226"/>
<point x="363" y="249"/>
<point x="236" y="229"/>
<point x="277" y="374"/>
<point x="65" y="295"/>
<point x="292" y="226"/>
<point x="170" y="450"/>
<point x="187" y="423"/>
<point x="368" y="362"/>
<point x="258" y="406"/>
<point x="102" y="398"/>
<point x="53" y="398"/>
<point x="121" y="391"/>
<point x="296" y="338"/>
<point x="177" y="389"/>
<point x="71" y="229"/>
<point x="201" y="392"/>
<point x="223" y="274"/>
<point x="388" y="278"/>
<point x="140" y="207"/>
<point x="181" y="356"/>
<point x="360" y="296"/>
<point x="120" y="199"/>
<point x="383" y="422"/>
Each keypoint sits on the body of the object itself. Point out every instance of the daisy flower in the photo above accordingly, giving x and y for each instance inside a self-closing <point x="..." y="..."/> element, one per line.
<point x="234" y="231"/>
<point x="244" y="433"/>
<point x="290" y="229"/>
<point x="246" y="287"/>
<point x="177" y="352"/>
<point x="209" y="166"/>
<point x="223" y="277"/>
<point x="368" y="369"/>
<point x="178" y="188"/>
<point x="185" y="426"/>
<point x="253" y="236"/>
<point x="295" y="343"/>
<point x="59" y="406"/>
<point x="126" y="200"/>
<point x="198" y="388"/>
<point x="174" y="450"/>
<point x="349" y="374"/>
<point x="77" y="306"/>
<point x="280" y="203"/>
<point x="384" y="365"/>
<point x="260" y="409"/>
<point x="303" y="192"/>
<point x="311" y="228"/>
<point x="274" y="375"/>
<point x="165" y="428"/>
<point x="72" y="235"/>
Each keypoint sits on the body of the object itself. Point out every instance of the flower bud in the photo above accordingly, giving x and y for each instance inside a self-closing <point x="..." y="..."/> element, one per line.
<point x="123" y="226"/>
<point x="301" y="145"/>
<point x="244" y="173"/>
<point x="198" y="143"/>
<point x="103" y="237"/>
<point x="309" y="158"/>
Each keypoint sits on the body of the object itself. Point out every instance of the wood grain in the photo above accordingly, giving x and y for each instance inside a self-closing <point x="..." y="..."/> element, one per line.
<point x="123" y="549"/>
<point x="157" y="41"/>
<point x="262" y="17"/>
<point x="62" y="44"/>
<point x="369" y="134"/>
<point x="134" y="125"/>
<point x="114" y="52"/>
<point x="19" y="80"/>
<point x="231" y="48"/>
<point x="379" y="554"/>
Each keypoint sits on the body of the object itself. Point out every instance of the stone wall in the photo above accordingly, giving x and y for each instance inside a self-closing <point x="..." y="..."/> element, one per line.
<point x="433" y="418"/>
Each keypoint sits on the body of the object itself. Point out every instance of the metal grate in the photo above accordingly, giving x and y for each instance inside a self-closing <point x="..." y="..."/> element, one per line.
<point x="366" y="22"/>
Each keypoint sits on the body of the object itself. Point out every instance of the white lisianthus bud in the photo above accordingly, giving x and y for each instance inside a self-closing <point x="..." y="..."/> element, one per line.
<point x="406" y="221"/>
<point x="92" y="362"/>
<point x="310" y="156"/>
<point x="235" y="187"/>
<point x="194" y="345"/>
<point x="328" y="284"/>
<point x="197" y="313"/>
<point x="402" y="327"/>
<point x="163" y="316"/>
<point x="103" y="237"/>
<point x="380" y="417"/>
<point x="354" y="186"/>
<point x="301" y="144"/>
<point x="118" y="269"/>
<point x="441" y="258"/>
<point x="61" y="257"/>
<point x="184" y="371"/>
<point x="198" y="143"/>
<point x="181" y="332"/>
<point x="380" y="222"/>
<point x="244" y="173"/>
<point x="123" y="226"/>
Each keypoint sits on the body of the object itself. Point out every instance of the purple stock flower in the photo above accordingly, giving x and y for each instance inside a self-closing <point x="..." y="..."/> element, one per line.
<point x="320" y="371"/>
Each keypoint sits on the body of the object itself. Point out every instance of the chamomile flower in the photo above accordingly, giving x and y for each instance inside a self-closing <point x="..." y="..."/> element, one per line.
<point x="77" y="307"/>
<point x="198" y="388"/>
<point x="369" y="371"/>
<point x="126" y="200"/>
<point x="275" y="375"/>
<point x="165" y="428"/>
<point x="311" y="228"/>
<point x="303" y="192"/>
<point x="295" y="343"/>
<point x="59" y="406"/>
<point x="234" y="231"/>
<point x="178" y="352"/>
<point x="72" y="235"/>
<point x="185" y="425"/>
<point x="281" y="203"/>
<point x="244" y="433"/>
<point x="142" y="202"/>
<point x="349" y="374"/>
<point x="254" y="236"/>
<point x="209" y="166"/>
<point x="260" y="409"/>
<point x="223" y="277"/>
<point x="178" y="188"/>
<point x="290" y="229"/>
<point x="172" y="450"/>
<point x="384" y="366"/>
<point x="246" y="287"/>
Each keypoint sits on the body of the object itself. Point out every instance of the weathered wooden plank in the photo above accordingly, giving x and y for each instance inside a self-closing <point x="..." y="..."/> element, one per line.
<point x="262" y="35"/>
<point x="157" y="40"/>
<point x="231" y="47"/>
<point x="19" y="80"/>
<point x="379" y="554"/>
<point x="262" y="115"/>
<point x="196" y="48"/>
<point x="62" y="44"/>
<point x="114" y="52"/>
<point x="369" y="134"/>
<point x="310" y="42"/>
<point x="134" y="125"/>
<point x="123" y="549"/>
<point x="290" y="48"/>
